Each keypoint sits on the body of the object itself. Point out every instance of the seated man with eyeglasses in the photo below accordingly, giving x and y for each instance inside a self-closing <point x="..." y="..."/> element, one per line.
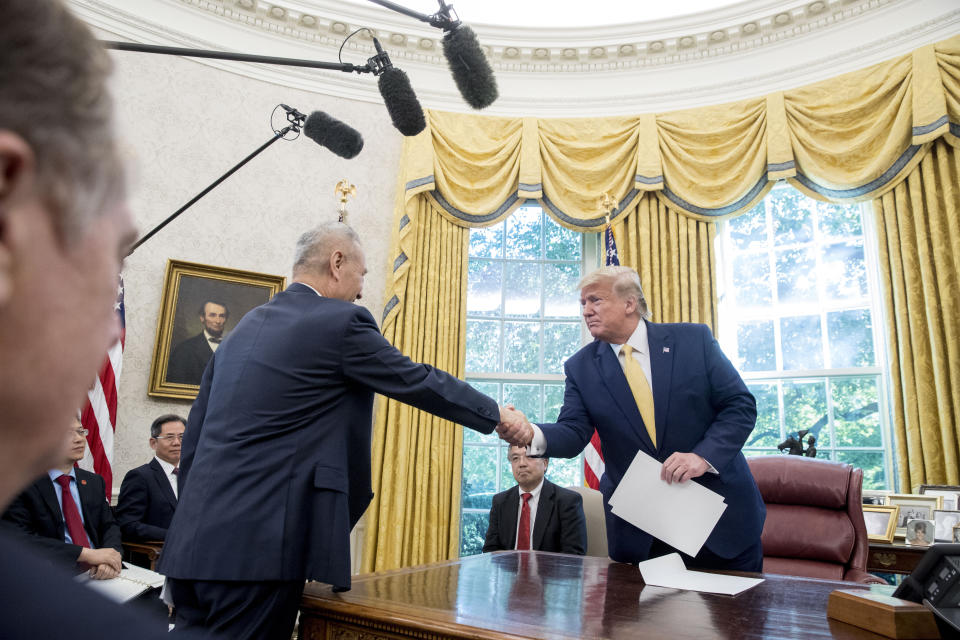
<point x="149" y="493"/>
<point x="66" y="513"/>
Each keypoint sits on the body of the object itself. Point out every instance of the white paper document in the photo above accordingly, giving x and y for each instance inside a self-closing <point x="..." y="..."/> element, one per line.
<point x="682" y="515"/>
<point x="131" y="582"/>
<point x="669" y="571"/>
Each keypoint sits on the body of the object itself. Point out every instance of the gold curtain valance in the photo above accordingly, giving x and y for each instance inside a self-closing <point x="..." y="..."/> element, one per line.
<point x="849" y="138"/>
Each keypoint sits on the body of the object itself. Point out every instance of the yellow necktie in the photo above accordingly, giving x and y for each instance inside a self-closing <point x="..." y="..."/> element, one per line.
<point x="641" y="390"/>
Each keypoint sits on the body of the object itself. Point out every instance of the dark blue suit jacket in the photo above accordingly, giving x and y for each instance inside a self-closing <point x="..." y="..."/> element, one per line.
<point x="146" y="503"/>
<point x="701" y="405"/>
<point x="560" y="525"/>
<point x="275" y="466"/>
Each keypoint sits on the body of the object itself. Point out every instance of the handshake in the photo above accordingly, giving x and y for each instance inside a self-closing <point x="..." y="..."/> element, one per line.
<point x="514" y="426"/>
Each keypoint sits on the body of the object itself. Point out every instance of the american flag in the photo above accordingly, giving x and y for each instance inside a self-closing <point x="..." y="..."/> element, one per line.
<point x="593" y="465"/>
<point x="99" y="415"/>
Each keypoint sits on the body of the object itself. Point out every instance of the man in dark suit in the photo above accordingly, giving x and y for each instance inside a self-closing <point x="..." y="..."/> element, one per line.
<point x="190" y="357"/>
<point x="694" y="418"/>
<point x="550" y="518"/>
<point x="65" y="513"/>
<point x="275" y="469"/>
<point x="148" y="494"/>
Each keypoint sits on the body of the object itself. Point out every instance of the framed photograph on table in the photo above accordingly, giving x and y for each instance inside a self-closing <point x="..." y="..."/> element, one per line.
<point x="874" y="497"/>
<point x="920" y="533"/>
<point x="944" y="522"/>
<point x="881" y="522"/>
<point x="201" y="304"/>
<point x="913" y="507"/>
<point x="950" y="493"/>
<point x="956" y="533"/>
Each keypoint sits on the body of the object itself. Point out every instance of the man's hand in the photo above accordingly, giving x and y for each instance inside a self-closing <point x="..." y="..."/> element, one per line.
<point x="97" y="557"/>
<point x="680" y="467"/>
<point x="103" y="572"/>
<point x="514" y="427"/>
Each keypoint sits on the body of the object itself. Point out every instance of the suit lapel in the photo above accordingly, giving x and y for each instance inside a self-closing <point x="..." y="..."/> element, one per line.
<point x="661" y="368"/>
<point x="89" y="502"/>
<point x="161" y="479"/>
<point x="544" y="511"/>
<point x="508" y="527"/>
<point x="611" y="373"/>
<point x="49" y="495"/>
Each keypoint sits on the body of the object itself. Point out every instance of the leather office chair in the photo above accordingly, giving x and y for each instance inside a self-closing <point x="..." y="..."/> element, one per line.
<point x="814" y="525"/>
<point x="596" y="520"/>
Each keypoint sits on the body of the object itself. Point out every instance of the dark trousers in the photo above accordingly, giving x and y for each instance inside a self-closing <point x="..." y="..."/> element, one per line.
<point x="239" y="610"/>
<point x="750" y="559"/>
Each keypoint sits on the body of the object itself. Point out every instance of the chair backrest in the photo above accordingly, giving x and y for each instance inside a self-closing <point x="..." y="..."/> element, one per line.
<point x="814" y="524"/>
<point x="596" y="521"/>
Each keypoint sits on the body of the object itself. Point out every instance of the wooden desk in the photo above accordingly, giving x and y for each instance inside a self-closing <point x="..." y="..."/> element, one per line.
<point x="529" y="594"/>
<point x="893" y="558"/>
<point x="149" y="549"/>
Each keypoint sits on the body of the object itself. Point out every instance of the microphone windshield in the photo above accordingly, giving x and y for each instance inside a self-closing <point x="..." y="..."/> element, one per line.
<point x="401" y="102"/>
<point x="470" y="68"/>
<point x="339" y="137"/>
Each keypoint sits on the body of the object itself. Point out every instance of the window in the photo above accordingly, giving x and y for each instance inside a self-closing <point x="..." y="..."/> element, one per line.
<point x="523" y="322"/>
<point x="799" y="318"/>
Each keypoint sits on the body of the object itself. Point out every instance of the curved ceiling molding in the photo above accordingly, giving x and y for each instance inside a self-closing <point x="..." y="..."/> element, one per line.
<point x="742" y="50"/>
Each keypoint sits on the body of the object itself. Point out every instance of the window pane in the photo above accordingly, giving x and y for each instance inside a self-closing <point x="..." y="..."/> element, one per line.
<point x="805" y="407"/>
<point x="483" y="287"/>
<point x="561" y="298"/>
<point x="851" y="338"/>
<point x="870" y="461"/>
<point x="473" y="531"/>
<point x="560" y="341"/>
<point x="756" y="348"/>
<point x="483" y="346"/>
<point x="844" y="269"/>
<point x="491" y="389"/>
<point x="521" y="347"/>
<point x="749" y="231"/>
<point x="751" y="280"/>
<point x="792" y="220"/>
<point x="552" y="401"/>
<point x="801" y="343"/>
<point x="856" y="412"/>
<point x="487" y="242"/>
<point x="839" y="221"/>
<point x="522" y="290"/>
<point x="523" y="233"/>
<point x="796" y="276"/>
<point x="562" y="243"/>
<point x="479" y="476"/>
<point x="566" y="472"/>
<point x="525" y="397"/>
<point x="767" y="432"/>
<point x="506" y="471"/>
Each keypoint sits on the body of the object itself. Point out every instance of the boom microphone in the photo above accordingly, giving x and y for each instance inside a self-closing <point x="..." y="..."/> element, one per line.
<point x="339" y="137"/>
<point x="398" y="96"/>
<point x="470" y="68"/>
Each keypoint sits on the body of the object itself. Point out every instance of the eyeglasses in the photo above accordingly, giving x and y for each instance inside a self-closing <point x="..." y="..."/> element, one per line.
<point x="82" y="432"/>
<point x="170" y="437"/>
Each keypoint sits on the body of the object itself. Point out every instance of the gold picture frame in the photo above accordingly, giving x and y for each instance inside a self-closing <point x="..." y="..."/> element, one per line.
<point x="881" y="528"/>
<point x="188" y="289"/>
<point x="913" y="507"/>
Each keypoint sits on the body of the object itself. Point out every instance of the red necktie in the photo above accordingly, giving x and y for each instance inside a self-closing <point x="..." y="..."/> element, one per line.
<point x="523" y="534"/>
<point x="71" y="516"/>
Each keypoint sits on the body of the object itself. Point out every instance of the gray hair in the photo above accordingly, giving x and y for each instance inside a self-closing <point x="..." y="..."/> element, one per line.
<point x="626" y="284"/>
<point x="53" y="94"/>
<point x="315" y="247"/>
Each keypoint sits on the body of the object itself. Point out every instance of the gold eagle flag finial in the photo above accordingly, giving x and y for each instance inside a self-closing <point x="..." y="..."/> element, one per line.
<point x="606" y="206"/>
<point x="344" y="191"/>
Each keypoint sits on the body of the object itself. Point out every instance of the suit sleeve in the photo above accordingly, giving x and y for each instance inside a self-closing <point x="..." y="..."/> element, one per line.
<point x="735" y="407"/>
<point x="370" y="360"/>
<point x="107" y="528"/>
<point x="132" y="508"/>
<point x="22" y="514"/>
<point x="191" y="436"/>
<point x="492" y="541"/>
<point x="573" y="429"/>
<point x="573" y="524"/>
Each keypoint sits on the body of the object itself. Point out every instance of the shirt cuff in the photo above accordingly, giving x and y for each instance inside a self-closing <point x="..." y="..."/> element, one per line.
<point x="537" y="446"/>
<point x="710" y="467"/>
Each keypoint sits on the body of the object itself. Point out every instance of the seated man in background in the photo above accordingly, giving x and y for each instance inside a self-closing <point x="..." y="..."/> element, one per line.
<point x="148" y="494"/>
<point x="65" y="512"/>
<point x="536" y="514"/>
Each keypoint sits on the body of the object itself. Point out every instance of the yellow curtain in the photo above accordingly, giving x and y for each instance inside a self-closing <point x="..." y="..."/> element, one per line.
<point x="672" y="176"/>
<point x="416" y="456"/>
<point x="919" y="249"/>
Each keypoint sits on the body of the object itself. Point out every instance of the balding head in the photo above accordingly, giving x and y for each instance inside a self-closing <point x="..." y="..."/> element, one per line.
<point x="329" y="259"/>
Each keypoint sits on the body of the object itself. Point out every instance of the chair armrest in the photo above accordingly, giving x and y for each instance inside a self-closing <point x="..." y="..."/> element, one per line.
<point x="858" y="575"/>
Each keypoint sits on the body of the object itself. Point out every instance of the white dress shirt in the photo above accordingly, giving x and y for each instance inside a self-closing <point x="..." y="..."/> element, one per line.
<point x="533" y="502"/>
<point x="171" y="476"/>
<point x="210" y="340"/>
